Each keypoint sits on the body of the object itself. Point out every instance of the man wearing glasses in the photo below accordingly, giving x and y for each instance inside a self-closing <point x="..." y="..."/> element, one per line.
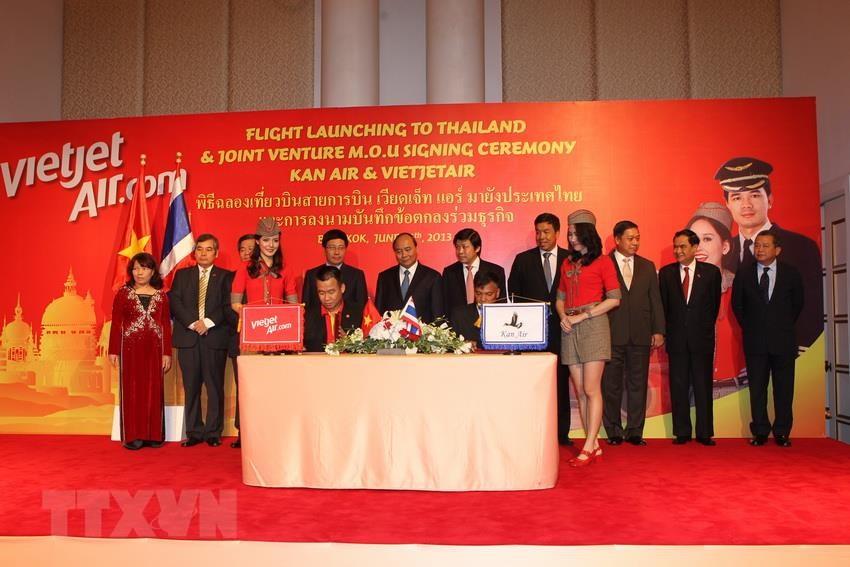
<point x="335" y="243"/>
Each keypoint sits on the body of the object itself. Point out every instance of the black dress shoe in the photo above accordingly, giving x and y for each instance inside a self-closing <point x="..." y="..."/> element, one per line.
<point x="236" y="444"/>
<point x="758" y="440"/>
<point x="681" y="440"/>
<point x="191" y="442"/>
<point x="615" y="440"/>
<point x="134" y="445"/>
<point x="213" y="441"/>
<point x="154" y="444"/>
<point x="636" y="440"/>
<point x="783" y="441"/>
<point x="707" y="441"/>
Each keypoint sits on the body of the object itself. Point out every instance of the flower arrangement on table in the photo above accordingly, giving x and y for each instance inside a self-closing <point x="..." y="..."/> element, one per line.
<point x="396" y="330"/>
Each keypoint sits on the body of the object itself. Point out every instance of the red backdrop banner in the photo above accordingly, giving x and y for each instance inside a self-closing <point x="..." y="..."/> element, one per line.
<point x="372" y="172"/>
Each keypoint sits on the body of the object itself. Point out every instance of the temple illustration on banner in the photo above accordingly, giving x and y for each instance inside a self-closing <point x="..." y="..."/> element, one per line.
<point x="58" y="379"/>
<point x="66" y="368"/>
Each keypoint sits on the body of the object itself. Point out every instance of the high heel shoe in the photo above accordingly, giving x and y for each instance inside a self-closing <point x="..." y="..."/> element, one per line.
<point x="597" y="453"/>
<point x="576" y="462"/>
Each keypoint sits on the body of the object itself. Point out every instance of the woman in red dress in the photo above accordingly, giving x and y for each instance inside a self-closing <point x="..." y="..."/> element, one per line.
<point x="140" y="344"/>
<point x="264" y="278"/>
<point x="588" y="290"/>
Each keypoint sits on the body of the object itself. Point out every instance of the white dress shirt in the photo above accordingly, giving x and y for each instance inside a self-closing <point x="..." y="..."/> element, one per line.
<point x="771" y="276"/>
<point x="691" y="269"/>
<point x="620" y="258"/>
<point x="411" y="269"/>
<point x="207" y="321"/>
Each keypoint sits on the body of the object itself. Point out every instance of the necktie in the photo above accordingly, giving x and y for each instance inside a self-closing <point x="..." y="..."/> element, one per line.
<point x="405" y="284"/>
<point x="470" y="288"/>
<point x="547" y="270"/>
<point x="764" y="285"/>
<point x="202" y="293"/>
<point x="685" y="284"/>
<point x="627" y="272"/>
<point x="747" y="257"/>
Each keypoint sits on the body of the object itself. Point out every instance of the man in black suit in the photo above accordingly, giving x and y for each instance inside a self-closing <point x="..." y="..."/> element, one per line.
<point x="466" y="319"/>
<point x="637" y="326"/>
<point x="767" y="298"/>
<point x="333" y="314"/>
<point x="535" y="275"/>
<point x="458" y="278"/>
<point x="335" y="243"/>
<point x="690" y="292"/>
<point x="746" y="185"/>
<point x="410" y="279"/>
<point x="200" y="305"/>
<point x="245" y="246"/>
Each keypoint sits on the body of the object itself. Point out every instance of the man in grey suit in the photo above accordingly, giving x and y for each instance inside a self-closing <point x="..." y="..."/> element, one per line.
<point x="637" y="326"/>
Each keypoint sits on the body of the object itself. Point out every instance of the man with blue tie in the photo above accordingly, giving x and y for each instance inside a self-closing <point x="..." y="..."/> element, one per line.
<point x="535" y="276"/>
<point x="767" y="298"/>
<point x="409" y="278"/>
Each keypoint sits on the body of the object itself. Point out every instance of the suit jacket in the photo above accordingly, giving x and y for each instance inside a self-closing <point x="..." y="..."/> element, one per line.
<point x="463" y="320"/>
<point x="803" y="253"/>
<point x="640" y="313"/>
<point x="426" y="288"/>
<point x="353" y="278"/>
<point x="184" y="307"/>
<point x="690" y="326"/>
<point x="315" y="331"/>
<point x="528" y="280"/>
<point x="454" y="283"/>
<point x="768" y="328"/>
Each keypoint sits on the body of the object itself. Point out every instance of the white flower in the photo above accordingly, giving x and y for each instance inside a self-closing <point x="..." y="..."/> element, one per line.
<point x="331" y="349"/>
<point x="411" y="350"/>
<point x="380" y="332"/>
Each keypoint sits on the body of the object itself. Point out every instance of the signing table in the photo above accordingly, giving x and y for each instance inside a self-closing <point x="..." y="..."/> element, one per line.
<point x="421" y="422"/>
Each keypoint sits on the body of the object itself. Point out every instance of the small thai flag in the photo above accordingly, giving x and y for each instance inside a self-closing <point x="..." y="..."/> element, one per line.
<point x="412" y="327"/>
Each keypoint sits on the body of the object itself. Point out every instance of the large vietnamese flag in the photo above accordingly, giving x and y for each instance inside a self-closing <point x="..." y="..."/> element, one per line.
<point x="137" y="232"/>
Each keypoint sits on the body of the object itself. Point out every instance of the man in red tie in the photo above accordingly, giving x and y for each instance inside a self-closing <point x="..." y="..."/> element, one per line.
<point x="458" y="278"/>
<point x="690" y="293"/>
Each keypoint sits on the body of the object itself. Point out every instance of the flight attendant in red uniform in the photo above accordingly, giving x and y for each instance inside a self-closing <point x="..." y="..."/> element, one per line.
<point x="140" y="344"/>
<point x="588" y="289"/>
<point x="264" y="278"/>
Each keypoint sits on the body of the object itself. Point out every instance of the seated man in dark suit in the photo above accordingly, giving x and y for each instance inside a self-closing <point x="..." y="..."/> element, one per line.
<point x="410" y="279"/>
<point x="458" y="278"/>
<point x="466" y="319"/>
<point x="327" y="320"/>
<point x="335" y="244"/>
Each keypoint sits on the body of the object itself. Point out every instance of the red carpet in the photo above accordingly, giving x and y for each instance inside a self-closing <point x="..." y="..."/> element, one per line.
<point x="659" y="494"/>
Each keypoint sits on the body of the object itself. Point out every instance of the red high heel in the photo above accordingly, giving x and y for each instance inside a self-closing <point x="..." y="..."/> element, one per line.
<point x="576" y="462"/>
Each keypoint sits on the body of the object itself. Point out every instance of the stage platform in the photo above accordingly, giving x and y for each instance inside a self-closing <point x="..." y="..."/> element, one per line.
<point x="658" y="495"/>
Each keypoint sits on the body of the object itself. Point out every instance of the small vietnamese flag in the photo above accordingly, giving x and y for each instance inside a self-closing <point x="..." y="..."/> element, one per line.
<point x="371" y="316"/>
